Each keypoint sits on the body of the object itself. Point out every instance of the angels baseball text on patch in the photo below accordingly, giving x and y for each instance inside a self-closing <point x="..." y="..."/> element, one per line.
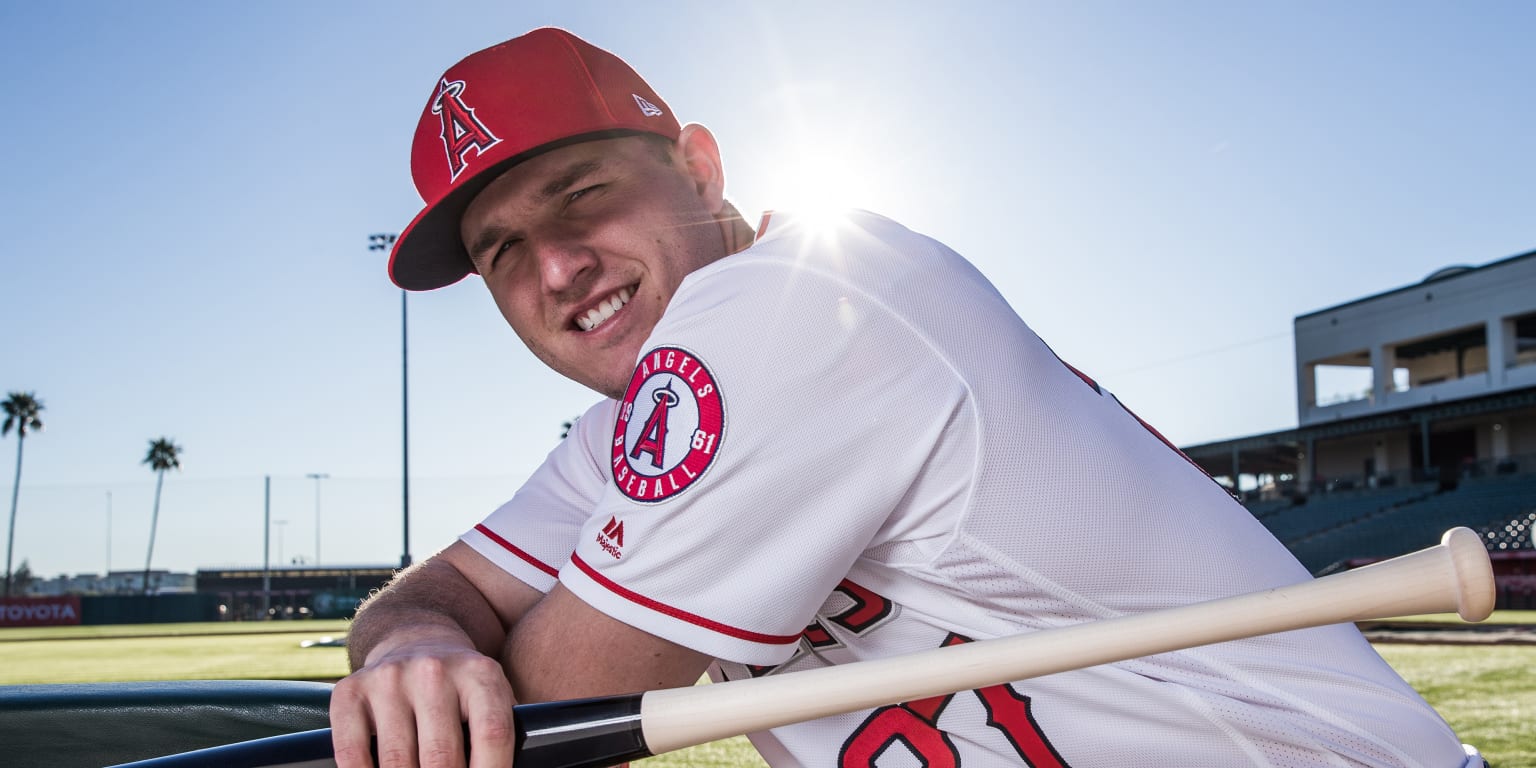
<point x="669" y="428"/>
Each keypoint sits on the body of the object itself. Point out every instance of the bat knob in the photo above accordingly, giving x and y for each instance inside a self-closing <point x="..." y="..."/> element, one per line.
<point x="1475" y="590"/>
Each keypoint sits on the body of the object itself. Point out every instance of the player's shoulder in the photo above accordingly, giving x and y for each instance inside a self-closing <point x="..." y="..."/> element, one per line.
<point x="798" y="251"/>
<point x="841" y="231"/>
<point x="790" y="222"/>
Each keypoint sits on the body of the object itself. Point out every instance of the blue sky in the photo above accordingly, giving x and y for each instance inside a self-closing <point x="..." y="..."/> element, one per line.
<point x="1158" y="188"/>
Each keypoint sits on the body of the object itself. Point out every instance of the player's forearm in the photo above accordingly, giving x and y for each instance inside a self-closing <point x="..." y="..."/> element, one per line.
<point x="430" y="600"/>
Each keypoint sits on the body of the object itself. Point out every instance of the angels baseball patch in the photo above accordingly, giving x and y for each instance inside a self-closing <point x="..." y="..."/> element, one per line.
<point x="670" y="426"/>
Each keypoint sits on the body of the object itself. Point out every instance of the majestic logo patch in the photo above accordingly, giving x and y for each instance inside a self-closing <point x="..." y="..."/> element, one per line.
<point x="462" y="130"/>
<point x="669" y="428"/>
<point x="611" y="538"/>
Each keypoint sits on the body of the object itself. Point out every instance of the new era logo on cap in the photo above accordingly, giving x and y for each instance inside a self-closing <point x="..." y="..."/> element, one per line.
<point x="646" y="108"/>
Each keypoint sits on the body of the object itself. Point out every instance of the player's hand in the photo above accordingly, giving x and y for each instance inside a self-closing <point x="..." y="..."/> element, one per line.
<point x="417" y="695"/>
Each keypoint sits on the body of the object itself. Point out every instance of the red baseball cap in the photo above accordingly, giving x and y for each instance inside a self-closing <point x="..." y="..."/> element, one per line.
<point x="496" y="108"/>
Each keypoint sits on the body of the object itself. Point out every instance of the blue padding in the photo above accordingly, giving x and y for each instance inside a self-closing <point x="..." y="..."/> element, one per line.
<point x="90" y="725"/>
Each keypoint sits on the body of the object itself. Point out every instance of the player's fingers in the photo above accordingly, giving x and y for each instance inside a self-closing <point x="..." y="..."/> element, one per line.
<point x="396" y="739"/>
<point x="487" y="706"/>
<point x="351" y="726"/>
<point x="434" y="687"/>
<point x="394" y="722"/>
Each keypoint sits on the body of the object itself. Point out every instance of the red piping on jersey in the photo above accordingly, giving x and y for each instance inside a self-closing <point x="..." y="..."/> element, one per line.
<point x="762" y="225"/>
<point x="524" y="556"/>
<point x="678" y="613"/>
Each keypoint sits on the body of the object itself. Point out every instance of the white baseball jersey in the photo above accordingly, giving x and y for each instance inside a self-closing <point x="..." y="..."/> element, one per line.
<point x="843" y="444"/>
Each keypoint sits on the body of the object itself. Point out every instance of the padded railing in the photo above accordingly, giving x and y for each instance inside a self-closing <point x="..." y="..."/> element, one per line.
<point x="89" y="725"/>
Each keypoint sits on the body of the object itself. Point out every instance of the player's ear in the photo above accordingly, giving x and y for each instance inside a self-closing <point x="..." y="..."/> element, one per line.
<point x="700" y="154"/>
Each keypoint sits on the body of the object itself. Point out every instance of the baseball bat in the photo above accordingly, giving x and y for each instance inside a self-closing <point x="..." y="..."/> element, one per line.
<point x="1454" y="575"/>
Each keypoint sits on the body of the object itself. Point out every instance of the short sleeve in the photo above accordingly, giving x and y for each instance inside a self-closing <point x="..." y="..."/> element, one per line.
<point x="776" y="419"/>
<point x="532" y="535"/>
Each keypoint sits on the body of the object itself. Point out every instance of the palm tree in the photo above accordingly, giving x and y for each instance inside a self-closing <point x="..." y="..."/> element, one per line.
<point x="163" y="454"/>
<point x="21" y="409"/>
<point x="22" y="579"/>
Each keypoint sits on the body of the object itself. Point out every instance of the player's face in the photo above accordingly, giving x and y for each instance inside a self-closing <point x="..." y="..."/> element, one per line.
<point x="582" y="247"/>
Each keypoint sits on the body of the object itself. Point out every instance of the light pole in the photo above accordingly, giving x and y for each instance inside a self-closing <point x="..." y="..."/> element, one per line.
<point x="317" y="477"/>
<point x="382" y="242"/>
<point x="266" y="548"/>
<point x="108" y="573"/>
<point x="278" y="524"/>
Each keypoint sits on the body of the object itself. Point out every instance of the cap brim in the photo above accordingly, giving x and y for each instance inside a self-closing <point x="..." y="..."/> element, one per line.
<point x="430" y="252"/>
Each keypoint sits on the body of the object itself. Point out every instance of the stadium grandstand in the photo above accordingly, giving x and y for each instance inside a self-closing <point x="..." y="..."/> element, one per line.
<point x="1416" y="412"/>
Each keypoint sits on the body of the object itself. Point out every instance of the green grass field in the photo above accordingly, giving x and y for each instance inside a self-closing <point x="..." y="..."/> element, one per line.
<point x="1487" y="693"/>
<point x="186" y="652"/>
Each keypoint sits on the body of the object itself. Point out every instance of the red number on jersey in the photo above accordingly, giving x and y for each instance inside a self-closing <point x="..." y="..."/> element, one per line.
<point x="866" y="612"/>
<point x="868" y="608"/>
<point x="915" y="724"/>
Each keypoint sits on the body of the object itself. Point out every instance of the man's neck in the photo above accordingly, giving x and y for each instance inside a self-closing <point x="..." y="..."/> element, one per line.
<point x="738" y="235"/>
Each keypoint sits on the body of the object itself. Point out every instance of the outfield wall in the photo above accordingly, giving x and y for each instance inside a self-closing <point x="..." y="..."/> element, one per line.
<point x="148" y="609"/>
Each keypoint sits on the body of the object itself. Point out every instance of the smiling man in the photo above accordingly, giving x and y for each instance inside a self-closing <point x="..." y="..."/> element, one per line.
<point x="816" y="446"/>
<point x="583" y="246"/>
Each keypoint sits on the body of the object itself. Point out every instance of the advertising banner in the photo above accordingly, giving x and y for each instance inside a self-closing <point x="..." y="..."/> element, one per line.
<point x="39" y="611"/>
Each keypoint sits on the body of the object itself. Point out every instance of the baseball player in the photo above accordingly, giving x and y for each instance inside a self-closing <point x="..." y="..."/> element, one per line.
<point x="817" y="445"/>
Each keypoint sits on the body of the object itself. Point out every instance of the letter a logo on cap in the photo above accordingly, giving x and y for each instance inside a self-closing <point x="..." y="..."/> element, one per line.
<point x="462" y="131"/>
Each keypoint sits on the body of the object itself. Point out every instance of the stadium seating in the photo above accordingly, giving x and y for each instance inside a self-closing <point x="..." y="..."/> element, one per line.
<point x="1330" y="511"/>
<point x="1336" y="527"/>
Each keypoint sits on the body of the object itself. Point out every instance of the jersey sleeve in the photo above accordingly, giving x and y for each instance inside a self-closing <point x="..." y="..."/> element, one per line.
<point x="532" y="535"/>
<point x="775" y="420"/>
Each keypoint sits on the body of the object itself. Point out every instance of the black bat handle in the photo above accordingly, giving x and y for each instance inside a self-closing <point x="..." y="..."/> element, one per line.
<point x="580" y="733"/>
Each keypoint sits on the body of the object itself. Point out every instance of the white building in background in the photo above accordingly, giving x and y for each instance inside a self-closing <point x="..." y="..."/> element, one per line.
<point x="115" y="583"/>
<point x="1462" y="332"/>
<point x="1431" y="380"/>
